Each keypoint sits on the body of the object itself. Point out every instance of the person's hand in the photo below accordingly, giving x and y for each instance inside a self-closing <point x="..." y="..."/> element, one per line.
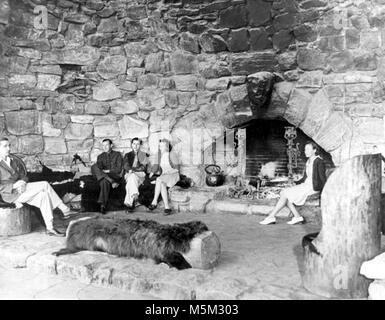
<point x="22" y="188"/>
<point x="115" y="185"/>
<point x="151" y="174"/>
<point x="106" y="171"/>
<point x="19" y="186"/>
<point x="130" y="171"/>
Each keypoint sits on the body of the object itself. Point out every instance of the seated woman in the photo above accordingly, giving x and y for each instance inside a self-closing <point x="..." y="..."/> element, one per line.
<point x="167" y="161"/>
<point x="312" y="182"/>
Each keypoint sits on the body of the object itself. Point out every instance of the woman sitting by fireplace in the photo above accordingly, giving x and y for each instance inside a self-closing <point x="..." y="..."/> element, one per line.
<point x="312" y="182"/>
<point x="166" y="163"/>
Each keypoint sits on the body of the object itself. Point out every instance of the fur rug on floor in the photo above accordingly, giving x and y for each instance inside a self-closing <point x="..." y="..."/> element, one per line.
<point x="133" y="238"/>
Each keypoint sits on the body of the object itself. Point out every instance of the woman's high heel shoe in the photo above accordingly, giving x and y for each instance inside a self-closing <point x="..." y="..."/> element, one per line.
<point x="268" y="220"/>
<point x="152" y="206"/>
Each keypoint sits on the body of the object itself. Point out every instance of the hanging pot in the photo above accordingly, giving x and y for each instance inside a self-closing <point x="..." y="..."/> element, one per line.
<point x="214" y="175"/>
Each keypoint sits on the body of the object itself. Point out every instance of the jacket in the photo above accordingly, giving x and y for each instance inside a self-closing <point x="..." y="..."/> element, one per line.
<point x="112" y="161"/>
<point x="319" y="175"/>
<point x="128" y="161"/>
<point x="9" y="175"/>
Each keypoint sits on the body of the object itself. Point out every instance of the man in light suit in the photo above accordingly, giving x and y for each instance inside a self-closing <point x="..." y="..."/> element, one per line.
<point x="135" y="166"/>
<point x="15" y="188"/>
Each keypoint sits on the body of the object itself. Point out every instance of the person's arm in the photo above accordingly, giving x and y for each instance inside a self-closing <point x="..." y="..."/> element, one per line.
<point x="118" y="167"/>
<point x="175" y="160"/>
<point x="126" y="165"/>
<point x="302" y="180"/>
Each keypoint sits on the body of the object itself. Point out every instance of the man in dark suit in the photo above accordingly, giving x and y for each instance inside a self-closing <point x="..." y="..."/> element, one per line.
<point x="135" y="167"/>
<point x="15" y="188"/>
<point x="108" y="170"/>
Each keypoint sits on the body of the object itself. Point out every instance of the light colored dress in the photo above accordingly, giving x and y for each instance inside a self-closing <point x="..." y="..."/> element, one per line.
<point x="299" y="193"/>
<point x="169" y="176"/>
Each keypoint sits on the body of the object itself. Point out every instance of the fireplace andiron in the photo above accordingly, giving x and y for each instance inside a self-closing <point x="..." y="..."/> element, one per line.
<point x="292" y="151"/>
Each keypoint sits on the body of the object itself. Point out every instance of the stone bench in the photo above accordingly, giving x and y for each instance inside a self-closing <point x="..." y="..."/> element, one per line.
<point x="15" y="221"/>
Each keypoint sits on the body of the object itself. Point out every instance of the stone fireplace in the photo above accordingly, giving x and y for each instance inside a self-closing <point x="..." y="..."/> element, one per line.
<point x="190" y="70"/>
<point x="265" y="142"/>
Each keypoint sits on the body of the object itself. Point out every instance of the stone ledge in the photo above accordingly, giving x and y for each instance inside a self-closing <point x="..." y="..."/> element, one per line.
<point x="34" y="251"/>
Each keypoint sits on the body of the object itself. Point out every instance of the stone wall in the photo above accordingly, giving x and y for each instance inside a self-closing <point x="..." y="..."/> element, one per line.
<point x="189" y="69"/>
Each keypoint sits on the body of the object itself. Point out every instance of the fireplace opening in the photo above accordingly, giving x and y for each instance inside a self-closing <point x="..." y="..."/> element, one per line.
<point x="265" y="142"/>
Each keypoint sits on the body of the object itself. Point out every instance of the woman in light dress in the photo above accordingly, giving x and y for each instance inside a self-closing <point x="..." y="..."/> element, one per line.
<point x="312" y="182"/>
<point x="167" y="161"/>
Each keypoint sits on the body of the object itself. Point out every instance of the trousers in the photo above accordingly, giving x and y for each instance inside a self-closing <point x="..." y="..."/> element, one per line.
<point x="41" y="195"/>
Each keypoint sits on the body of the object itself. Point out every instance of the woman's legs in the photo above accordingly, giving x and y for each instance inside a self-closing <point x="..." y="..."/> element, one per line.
<point x="279" y="206"/>
<point x="293" y="209"/>
<point x="163" y="190"/>
<point x="158" y="184"/>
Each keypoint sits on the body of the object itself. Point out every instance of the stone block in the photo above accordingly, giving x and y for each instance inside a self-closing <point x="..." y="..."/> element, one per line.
<point x="9" y="104"/>
<point x="15" y="221"/>
<point x="82" y="119"/>
<point x="27" y="80"/>
<point x="189" y="42"/>
<point x="112" y="66"/>
<point x="233" y="17"/>
<point x="259" y="39"/>
<point x="305" y="33"/>
<point x="335" y="130"/>
<point x="78" y="131"/>
<point x="248" y="63"/>
<point x="310" y="59"/>
<point x="370" y="130"/>
<point x="282" y="39"/>
<point x="105" y="126"/>
<point x="188" y="82"/>
<point x="218" y="84"/>
<point x="341" y="61"/>
<point x="84" y="55"/>
<point x="31" y="144"/>
<point x="238" y="40"/>
<point x="124" y="106"/>
<point x="297" y="106"/>
<point x="151" y="99"/>
<point x="106" y="90"/>
<point x="47" y="126"/>
<point x="319" y="110"/>
<point x="147" y="80"/>
<point x="287" y="60"/>
<point x="352" y="36"/>
<point x="55" y="146"/>
<point x="48" y="82"/>
<point x="108" y="25"/>
<point x="67" y="104"/>
<point x="22" y="122"/>
<point x="96" y="107"/>
<point x="259" y="12"/>
<point x="130" y="127"/>
<point x="154" y="63"/>
<point x="284" y="21"/>
<point x="183" y="63"/>
<point x="211" y="43"/>
<point x="80" y="146"/>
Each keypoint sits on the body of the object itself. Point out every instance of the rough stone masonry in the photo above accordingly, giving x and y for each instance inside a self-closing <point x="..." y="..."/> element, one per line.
<point x="121" y="69"/>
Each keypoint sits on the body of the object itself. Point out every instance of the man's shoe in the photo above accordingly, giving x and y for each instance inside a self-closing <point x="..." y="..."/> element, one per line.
<point x="296" y="220"/>
<point x="268" y="220"/>
<point x="167" y="212"/>
<point x="130" y="208"/>
<point x="102" y="209"/>
<point x="54" y="232"/>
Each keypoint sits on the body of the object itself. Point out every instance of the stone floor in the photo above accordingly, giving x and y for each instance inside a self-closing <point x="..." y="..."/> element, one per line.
<point x="24" y="284"/>
<point x="257" y="262"/>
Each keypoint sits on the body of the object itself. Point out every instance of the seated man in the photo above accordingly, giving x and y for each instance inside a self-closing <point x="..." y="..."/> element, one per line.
<point x="108" y="170"/>
<point x="14" y="188"/>
<point x="135" y="167"/>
